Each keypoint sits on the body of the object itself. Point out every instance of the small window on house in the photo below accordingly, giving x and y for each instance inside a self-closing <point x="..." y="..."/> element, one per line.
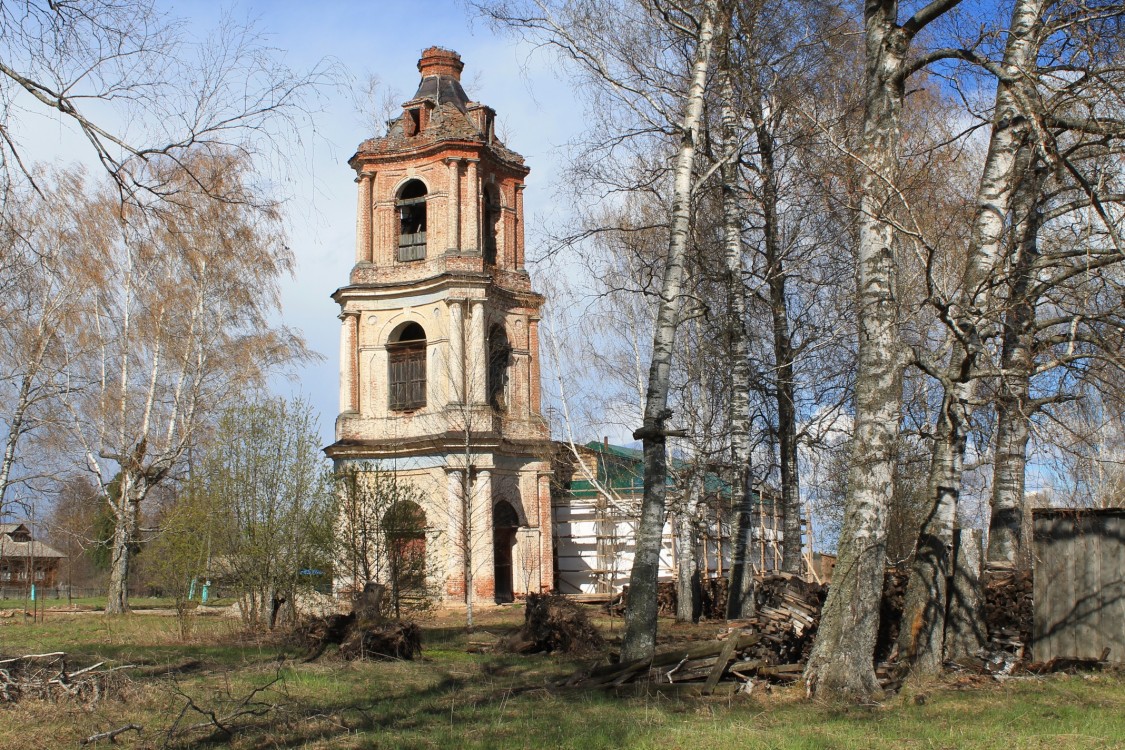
<point x="491" y="223"/>
<point x="5" y="575"/>
<point x="413" y="121"/>
<point x="499" y="357"/>
<point x="406" y="356"/>
<point x="39" y="574"/>
<point x="411" y="206"/>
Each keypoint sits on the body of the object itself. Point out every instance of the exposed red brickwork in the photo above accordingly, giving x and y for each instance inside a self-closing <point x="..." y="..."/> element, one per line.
<point x="438" y="61"/>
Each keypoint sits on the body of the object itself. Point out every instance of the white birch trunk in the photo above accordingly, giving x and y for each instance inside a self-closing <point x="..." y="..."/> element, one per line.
<point x="921" y="637"/>
<point x="687" y="561"/>
<point x="840" y="665"/>
<point x="640" y="613"/>
<point x="1014" y="406"/>
<point x="783" y="351"/>
<point x="740" y="589"/>
<point x="125" y="507"/>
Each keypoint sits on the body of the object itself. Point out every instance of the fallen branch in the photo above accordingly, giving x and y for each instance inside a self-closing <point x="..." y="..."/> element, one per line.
<point x="111" y="735"/>
<point x="221" y="720"/>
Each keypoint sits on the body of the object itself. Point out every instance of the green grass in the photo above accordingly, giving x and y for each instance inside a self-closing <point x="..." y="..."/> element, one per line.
<point x="459" y="700"/>
<point x="98" y="603"/>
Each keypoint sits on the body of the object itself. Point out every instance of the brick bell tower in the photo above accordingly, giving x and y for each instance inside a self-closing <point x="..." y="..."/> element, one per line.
<point x="439" y="348"/>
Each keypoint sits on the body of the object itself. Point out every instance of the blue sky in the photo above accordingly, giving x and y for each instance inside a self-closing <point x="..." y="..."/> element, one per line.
<point x="535" y="105"/>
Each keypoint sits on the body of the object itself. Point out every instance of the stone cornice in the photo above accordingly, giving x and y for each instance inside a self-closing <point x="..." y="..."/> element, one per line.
<point x="438" y="282"/>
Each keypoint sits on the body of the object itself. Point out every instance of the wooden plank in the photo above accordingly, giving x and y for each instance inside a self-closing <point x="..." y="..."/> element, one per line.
<point x="720" y="665"/>
<point x="1111" y="615"/>
<point x="1040" y="575"/>
<point x="679" y="689"/>
<point x="749" y="665"/>
<point x="1087" y="563"/>
<point x="1047" y="586"/>
<point x="1065" y="548"/>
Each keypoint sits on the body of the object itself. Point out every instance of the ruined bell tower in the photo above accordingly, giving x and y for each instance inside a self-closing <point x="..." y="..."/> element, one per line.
<point x="439" y="349"/>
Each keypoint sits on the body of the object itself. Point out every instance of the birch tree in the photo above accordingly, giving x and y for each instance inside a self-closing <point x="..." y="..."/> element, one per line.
<point x="784" y="61"/>
<point x="921" y="642"/>
<point x="41" y="280"/>
<point x="1026" y="130"/>
<point x="624" y="64"/>
<point x="179" y="305"/>
<point x="841" y="661"/>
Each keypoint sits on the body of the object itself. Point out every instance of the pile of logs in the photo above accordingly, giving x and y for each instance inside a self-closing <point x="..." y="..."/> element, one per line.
<point x="1008" y="611"/>
<point x="771" y="646"/>
<point x="787" y="616"/>
<point x="700" y="666"/>
<point x="50" y="677"/>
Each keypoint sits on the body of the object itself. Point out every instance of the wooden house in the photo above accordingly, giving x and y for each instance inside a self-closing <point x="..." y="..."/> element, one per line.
<point x="25" y="561"/>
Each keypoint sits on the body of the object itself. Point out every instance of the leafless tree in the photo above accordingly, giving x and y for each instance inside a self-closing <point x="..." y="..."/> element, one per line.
<point x="841" y="662"/>
<point x="42" y="275"/>
<point x="139" y="89"/>
<point x="178" y="307"/>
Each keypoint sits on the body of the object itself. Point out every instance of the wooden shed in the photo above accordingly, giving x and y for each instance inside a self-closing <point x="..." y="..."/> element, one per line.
<point x="1079" y="589"/>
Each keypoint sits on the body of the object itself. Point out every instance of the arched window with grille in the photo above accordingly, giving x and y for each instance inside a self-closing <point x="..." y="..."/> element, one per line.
<point x="406" y="356"/>
<point x="491" y="223"/>
<point x="411" y="205"/>
<point x="499" y="357"/>
<point x="404" y="525"/>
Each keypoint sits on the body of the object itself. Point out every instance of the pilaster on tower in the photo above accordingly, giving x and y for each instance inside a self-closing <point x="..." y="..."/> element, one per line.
<point x="439" y="343"/>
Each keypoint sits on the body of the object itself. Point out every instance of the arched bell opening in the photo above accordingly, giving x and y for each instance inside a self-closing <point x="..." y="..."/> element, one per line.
<point x="491" y="223"/>
<point x="499" y="359"/>
<point x="411" y="205"/>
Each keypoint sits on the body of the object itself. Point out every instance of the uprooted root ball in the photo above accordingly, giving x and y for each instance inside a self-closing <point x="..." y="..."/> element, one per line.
<point x="554" y="624"/>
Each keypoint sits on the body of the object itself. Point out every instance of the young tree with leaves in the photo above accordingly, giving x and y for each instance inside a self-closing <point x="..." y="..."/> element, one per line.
<point x="263" y="483"/>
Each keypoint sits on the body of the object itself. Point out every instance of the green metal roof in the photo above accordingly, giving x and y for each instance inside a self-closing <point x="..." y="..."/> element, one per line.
<point x="622" y="470"/>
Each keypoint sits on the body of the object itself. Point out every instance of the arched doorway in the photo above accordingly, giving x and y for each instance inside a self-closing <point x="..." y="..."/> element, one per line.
<point x="404" y="526"/>
<point x="505" y="522"/>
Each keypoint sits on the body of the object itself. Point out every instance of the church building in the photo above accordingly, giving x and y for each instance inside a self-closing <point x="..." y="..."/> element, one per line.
<point x="439" y="350"/>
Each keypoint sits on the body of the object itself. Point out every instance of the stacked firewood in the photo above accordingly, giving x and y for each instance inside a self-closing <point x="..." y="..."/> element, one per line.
<point x="1008" y="616"/>
<point x="787" y="615"/>
<point x="1008" y="608"/>
<point x="712" y="601"/>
